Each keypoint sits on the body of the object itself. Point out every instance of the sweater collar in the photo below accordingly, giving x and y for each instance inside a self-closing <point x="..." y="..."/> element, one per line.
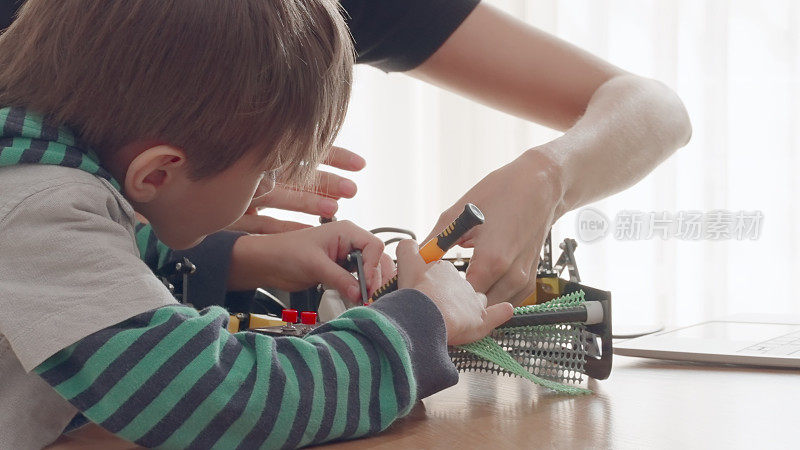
<point x="27" y="138"/>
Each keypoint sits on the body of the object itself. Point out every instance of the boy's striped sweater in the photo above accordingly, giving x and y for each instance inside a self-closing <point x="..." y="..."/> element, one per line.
<point x="175" y="377"/>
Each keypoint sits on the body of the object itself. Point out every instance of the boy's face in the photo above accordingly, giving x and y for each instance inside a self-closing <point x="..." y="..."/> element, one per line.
<point x="189" y="210"/>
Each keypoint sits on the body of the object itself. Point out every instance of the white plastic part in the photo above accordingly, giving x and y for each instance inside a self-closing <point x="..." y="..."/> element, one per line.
<point x="331" y="305"/>
<point x="594" y="312"/>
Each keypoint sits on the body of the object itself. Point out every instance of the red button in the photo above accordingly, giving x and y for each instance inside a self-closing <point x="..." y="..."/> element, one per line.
<point x="308" y="318"/>
<point x="289" y="315"/>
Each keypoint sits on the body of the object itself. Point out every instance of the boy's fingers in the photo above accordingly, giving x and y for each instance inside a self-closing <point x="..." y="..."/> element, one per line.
<point x="265" y="225"/>
<point x="343" y="281"/>
<point x="496" y="315"/>
<point x="371" y="251"/>
<point x="409" y="262"/>
<point x="388" y="269"/>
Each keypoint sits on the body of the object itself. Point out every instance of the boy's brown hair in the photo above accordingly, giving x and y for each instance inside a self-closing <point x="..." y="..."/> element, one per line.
<point x="220" y="79"/>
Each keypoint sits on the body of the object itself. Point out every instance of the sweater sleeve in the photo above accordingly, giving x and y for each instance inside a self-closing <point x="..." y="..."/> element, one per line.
<point x="174" y="377"/>
<point x="212" y="257"/>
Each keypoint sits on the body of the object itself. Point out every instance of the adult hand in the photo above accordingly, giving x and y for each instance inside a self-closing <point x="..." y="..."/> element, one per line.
<point x="520" y="202"/>
<point x="318" y="200"/>
<point x="466" y="317"/>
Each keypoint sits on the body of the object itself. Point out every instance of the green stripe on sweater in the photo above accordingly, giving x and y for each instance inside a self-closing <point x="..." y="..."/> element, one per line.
<point x="311" y="357"/>
<point x="55" y="360"/>
<point x="389" y="408"/>
<point x="397" y="341"/>
<point x="342" y="388"/>
<point x="172" y="393"/>
<point x="106" y="355"/>
<point x="236" y="433"/>
<point x="54" y="153"/>
<point x="291" y="392"/>
<point x="215" y="402"/>
<point x="154" y="259"/>
<point x="364" y="380"/>
<point x="148" y="365"/>
<point x="281" y="405"/>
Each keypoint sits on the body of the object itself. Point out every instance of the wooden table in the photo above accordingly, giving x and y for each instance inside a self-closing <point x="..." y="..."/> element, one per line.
<point x="644" y="404"/>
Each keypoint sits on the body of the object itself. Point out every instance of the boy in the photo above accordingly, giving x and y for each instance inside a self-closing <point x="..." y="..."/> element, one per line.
<point x="176" y="110"/>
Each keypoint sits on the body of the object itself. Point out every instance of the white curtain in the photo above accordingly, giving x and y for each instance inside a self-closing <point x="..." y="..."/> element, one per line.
<point x="735" y="64"/>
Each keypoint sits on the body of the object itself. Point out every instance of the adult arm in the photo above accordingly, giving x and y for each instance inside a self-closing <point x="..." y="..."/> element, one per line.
<point x="618" y="127"/>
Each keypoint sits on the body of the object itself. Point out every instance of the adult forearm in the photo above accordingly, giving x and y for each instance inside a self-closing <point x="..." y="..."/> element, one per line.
<point x="630" y="126"/>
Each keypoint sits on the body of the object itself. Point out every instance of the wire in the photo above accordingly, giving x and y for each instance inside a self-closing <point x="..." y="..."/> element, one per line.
<point x="392" y="241"/>
<point x="394" y="230"/>
<point x="636" y="335"/>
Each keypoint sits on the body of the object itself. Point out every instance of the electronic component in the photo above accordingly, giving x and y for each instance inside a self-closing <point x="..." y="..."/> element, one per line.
<point x="561" y="333"/>
<point x="550" y="343"/>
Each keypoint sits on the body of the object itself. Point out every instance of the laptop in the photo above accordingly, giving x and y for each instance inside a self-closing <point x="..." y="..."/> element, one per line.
<point x="756" y="340"/>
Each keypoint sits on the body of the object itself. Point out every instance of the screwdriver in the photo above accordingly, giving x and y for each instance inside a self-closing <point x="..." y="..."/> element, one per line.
<point x="434" y="249"/>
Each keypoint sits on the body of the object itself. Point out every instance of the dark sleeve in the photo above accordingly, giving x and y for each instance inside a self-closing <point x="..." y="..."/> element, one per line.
<point x="208" y="286"/>
<point x="7" y="10"/>
<point x="399" y="35"/>
<point x="392" y="35"/>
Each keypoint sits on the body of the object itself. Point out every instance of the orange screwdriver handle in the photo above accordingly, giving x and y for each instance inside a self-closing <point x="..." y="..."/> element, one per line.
<point x="434" y="249"/>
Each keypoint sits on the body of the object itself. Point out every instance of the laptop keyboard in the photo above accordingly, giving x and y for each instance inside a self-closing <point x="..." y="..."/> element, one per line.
<point x="786" y="345"/>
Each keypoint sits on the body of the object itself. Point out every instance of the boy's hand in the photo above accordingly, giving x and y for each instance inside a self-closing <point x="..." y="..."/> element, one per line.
<point x="466" y="316"/>
<point x="300" y="259"/>
<point x="321" y="200"/>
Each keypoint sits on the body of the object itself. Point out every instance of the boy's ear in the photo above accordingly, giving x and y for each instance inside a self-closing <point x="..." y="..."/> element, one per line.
<point x="152" y="170"/>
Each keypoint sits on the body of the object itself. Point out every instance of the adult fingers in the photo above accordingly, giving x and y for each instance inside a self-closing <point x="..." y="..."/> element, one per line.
<point x="327" y="184"/>
<point x="344" y="159"/>
<point x="528" y="288"/>
<point x="486" y="267"/>
<point x="284" y="197"/>
<point x="503" y="275"/>
<point x="445" y="219"/>
<point x="513" y="283"/>
<point x="254" y="224"/>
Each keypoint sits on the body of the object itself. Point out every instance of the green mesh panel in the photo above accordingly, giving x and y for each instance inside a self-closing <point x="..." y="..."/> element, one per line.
<point x="546" y="354"/>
